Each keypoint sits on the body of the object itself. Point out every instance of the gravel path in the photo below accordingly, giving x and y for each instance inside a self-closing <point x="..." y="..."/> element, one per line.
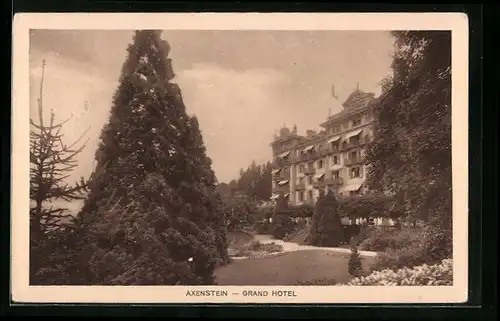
<point x="290" y="247"/>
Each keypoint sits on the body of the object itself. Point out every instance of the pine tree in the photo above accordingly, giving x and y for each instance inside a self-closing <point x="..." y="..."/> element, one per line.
<point x="51" y="225"/>
<point x="167" y="222"/>
<point x="355" y="266"/>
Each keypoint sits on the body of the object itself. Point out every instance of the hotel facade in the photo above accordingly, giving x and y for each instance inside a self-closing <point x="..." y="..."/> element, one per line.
<point x="331" y="158"/>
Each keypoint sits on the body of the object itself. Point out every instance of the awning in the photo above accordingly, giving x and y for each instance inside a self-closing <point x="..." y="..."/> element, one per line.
<point x="286" y="195"/>
<point x="285" y="154"/>
<point x="308" y="148"/>
<point x="274" y="171"/>
<point x="283" y="182"/>
<point x="352" y="187"/>
<point x="334" y="139"/>
<point x="356" y="133"/>
<point x="319" y="175"/>
<point x="274" y="196"/>
<point x="336" y="167"/>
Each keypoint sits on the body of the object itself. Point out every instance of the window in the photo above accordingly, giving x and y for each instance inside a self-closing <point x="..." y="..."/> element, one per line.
<point x="353" y="193"/>
<point x="309" y="180"/>
<point x="310" y="195"/>
<point x="319" y="148"/>
<point x="320" y="164"/>
<point x="335" y="160"/>
<point x="301" y="179"/>
<point x="367" y="138"/>
<point x="345" y="126"/>
<point x="301" y="196"/>
<point x="311" y="166"/>
<point x="353" y="155"/>
<point x="355" y="172"/>
<point x="356" y="122"/>
<point x="336" y="174"/>
<point x="336" y="129"/>
<point x="334" y="146"/>
<point x="302" y="168"/>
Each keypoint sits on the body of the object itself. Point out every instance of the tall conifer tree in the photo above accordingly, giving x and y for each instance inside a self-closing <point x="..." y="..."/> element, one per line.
<point x="153" y="214"/>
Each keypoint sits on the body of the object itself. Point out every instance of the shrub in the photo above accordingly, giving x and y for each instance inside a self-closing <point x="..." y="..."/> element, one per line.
<point x="304" y="210"/>
<point x="354" y="265"/>
<point x="415" y="247"/>
<point x="263" y="227"/>
<point x="326" y="226"/>
<point x="379" y="239"/>
<point x="282" y="226"/>
<point x="437" y="274"/>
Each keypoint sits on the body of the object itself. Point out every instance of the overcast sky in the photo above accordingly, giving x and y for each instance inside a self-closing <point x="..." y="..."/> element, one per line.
<point x="242" y="85"/>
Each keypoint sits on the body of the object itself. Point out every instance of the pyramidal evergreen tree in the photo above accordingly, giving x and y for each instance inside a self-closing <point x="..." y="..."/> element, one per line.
<point x="152" y="215"/>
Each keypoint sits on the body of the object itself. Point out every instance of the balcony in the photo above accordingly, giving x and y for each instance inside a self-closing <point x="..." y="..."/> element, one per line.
<point x="309" y="171"/>
<point x="281" y="188"/>
<point x="319" y="184"/>
<point x="332" y="150"/>
<point x="354" y="144"/>
<point x="308" y="157"/>
<point x="353" y="161"/>
<point x="334" y="181"/>
<point x="281" y="175"/>
<point x="323" y="152"/>
<point x="280" y="162"/>
<point x="300" y="186"/>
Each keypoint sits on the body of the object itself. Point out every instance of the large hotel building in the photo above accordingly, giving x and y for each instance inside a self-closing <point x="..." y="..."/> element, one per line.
<point x="332" y="157"/>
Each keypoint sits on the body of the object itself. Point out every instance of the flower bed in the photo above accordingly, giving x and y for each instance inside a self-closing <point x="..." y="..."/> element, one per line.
<point x="433" y="275"/>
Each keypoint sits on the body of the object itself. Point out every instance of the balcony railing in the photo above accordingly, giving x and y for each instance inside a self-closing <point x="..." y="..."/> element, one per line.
<point x="319" y="184"/>
<point x="354" y="161"/>
<point x="334" y="181"/>
<point x="281" y="189"/>
<point x="354" y="144"/>
<point x="281" y="175"/>
<point x="309" y="171"/>
<point x="300" y="186"/>
<point x="280" y="162"/>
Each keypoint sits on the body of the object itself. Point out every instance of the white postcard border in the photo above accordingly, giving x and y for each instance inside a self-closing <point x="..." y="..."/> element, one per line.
<point x="22" y="292"/>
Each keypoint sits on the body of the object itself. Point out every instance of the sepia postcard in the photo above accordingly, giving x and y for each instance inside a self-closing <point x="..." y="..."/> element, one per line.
<point x="240" y="158"/>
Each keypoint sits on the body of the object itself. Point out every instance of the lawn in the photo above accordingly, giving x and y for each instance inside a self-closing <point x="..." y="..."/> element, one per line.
<point x="288" y="269"/>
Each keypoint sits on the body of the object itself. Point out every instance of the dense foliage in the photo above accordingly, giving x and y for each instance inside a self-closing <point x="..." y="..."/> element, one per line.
<point x="282" y="223"/>
<point x="167" y="225"/>
<point x="326" y="226"/>
<point x="241" y="213"/>
<point x="254" y="182"/>
<point x="411" y="248"/>
<point x="410" y="155"/>
<point x="369" y="205"/>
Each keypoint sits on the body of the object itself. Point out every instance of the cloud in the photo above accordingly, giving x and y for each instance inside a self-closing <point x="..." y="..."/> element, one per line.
<point x="232" y="107"/>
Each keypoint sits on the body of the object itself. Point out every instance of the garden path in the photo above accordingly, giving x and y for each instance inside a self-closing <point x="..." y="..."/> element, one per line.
<point x="290" y="247"/>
